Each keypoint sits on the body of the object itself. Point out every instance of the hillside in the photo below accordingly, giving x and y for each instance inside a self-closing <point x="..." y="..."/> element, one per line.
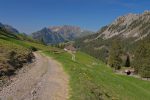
<point x="12" y="56"/>
<point x="15" y="52"/>
<point x="58" y="34"/>
<point x="90" y="79"/>
<point x="129" y="29"/>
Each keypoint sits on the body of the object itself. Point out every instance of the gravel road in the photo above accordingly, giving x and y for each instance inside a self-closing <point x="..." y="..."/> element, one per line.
<point x="43" y="80"/>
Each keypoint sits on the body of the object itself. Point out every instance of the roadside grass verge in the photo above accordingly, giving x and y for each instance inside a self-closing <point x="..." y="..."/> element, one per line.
<point x="90" y="79"/>
<point x="12" y="57"/>
<point x="14" y="53"/>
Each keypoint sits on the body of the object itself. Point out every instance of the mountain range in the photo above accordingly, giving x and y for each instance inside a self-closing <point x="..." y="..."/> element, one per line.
<point x="52" y="35"/>
<point x="58" y="34"/>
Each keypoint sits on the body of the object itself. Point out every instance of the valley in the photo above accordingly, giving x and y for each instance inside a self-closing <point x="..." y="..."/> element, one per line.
<point x="68" y="63"/>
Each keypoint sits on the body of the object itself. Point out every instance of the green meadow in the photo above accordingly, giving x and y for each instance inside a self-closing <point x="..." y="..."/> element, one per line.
<point x="90" y="79"/>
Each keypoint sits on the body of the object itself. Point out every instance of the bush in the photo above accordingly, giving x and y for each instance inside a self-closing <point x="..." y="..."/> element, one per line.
<point x="33" y="48"/>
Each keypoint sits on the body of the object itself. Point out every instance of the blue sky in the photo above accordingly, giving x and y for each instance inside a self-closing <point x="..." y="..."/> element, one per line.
<point x="32" y="15"/>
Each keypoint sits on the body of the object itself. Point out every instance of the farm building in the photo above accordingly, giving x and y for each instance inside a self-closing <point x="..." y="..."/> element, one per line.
<point x="70" y="48"/>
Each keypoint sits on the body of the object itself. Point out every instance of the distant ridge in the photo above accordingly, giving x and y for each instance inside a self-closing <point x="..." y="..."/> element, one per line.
<point x="58" y="34"/>
<point x="9" y="28"/>
<point x="127" y="26"/>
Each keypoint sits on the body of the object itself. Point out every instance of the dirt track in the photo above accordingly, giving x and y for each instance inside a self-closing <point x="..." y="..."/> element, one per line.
<point x="45" y="80"/>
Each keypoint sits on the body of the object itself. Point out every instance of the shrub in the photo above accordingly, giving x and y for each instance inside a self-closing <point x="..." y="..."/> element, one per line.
<point x="33" y="48"/>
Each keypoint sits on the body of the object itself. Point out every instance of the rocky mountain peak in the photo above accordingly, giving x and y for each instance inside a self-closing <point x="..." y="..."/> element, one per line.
<point x="130" y="25"/>
<point x="126" y="19"/>
<point x="57" y="34"/>
<point x="147" y="12"/>
<point x="64" y="28"/>
<point x="9" y="28"/>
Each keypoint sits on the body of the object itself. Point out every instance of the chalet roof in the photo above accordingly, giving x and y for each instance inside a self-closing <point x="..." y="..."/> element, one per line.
<point x="70" y="47"/>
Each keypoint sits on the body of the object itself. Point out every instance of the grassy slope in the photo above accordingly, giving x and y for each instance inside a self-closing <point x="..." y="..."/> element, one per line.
<point x="21" y="47"/>
<point x="12" y="56"/>
<point x="90" y="79"/>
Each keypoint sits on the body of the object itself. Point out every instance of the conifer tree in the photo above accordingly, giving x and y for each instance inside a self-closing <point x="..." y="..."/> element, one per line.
<point x="127" y="63"/>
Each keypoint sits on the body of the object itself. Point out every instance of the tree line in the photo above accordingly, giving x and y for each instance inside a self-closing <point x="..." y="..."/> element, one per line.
<point x="119" y="53"/>
<point x="141" y="57"/>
